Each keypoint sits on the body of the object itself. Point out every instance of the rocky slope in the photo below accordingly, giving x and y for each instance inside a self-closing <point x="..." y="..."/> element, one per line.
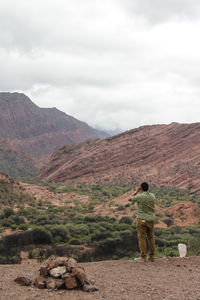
<point x="161" y="154"/>
<point x="39" y="131"/>
<point x="14" y="162"/>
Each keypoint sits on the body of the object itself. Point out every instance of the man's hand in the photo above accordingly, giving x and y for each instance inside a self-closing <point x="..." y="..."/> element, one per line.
<point x="137" y="190"/>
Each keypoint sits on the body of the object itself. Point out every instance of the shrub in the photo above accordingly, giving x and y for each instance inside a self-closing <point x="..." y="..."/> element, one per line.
<point x="120" y="207"/>
<point x="41" y="236"/>
<point x="169" y="222"/>
<point x="161" y="242"/>
<point x="16" y="219"/>
<point x="108" y="245"/>
<point x="126" y="220"/>
<point x="92" y="219"/>
<point x="13" y="226"/>
<point x="42" y="220"/>
<point x="75" y="241"/>
<point x="23" y="227"/>
<point x="60" y="233"/>
<point x="30" y="254"/>
<point x="11" y="240"/>
<point x="97" y="236"/>
<point x="15" y="259"/>
<point x="6" y="222"/>
<point x="37" y="235"/>
<point x="7" y="212"/>
<point x="4" y="260"/>
<point x="170" y="252"/>
<point x="77" y="229"/>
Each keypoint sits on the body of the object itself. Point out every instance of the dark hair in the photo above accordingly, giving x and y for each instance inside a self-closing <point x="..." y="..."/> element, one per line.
<point x="144" y="186"/>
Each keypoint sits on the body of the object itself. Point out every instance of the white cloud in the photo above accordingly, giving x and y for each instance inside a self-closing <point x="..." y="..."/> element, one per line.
<point x="157" y="11"/>
<point x="113" y="64"/>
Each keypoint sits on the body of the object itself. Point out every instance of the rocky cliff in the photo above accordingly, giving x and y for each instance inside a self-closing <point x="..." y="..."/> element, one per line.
<point x="160" y="154"/>
<point x="39" y="131"/>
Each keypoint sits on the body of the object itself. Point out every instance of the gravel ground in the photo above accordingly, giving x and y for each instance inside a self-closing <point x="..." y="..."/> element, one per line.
<point x="166" y="278"/>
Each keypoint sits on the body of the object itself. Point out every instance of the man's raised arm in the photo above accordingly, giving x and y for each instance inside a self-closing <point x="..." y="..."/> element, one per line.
<point x="137" y="190"/>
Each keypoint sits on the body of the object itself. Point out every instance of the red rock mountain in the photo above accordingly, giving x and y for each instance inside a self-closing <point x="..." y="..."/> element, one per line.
<point x="39" y="131"/>
<point x="161" y="154"/>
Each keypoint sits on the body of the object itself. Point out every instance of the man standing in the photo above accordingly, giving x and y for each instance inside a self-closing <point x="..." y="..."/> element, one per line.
<point x="145" y="220"/>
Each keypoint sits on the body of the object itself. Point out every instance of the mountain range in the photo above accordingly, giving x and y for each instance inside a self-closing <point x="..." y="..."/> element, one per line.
<point x="34" y="133"/>
<point x="67" y="149"/>
<point x="160" y="154"/>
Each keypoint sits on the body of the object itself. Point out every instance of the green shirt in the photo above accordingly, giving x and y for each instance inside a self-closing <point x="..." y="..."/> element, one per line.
<point x="145" y="206"/>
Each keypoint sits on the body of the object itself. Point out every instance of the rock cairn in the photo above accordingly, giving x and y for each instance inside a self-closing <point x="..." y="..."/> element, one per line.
<point x="60" y="273"/>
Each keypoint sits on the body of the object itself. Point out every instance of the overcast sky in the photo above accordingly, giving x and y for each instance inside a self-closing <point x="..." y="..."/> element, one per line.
<point x="115" y="64"/>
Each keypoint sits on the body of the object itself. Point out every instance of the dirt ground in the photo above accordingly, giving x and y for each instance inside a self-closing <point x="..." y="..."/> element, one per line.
<point x="166" y="278"/>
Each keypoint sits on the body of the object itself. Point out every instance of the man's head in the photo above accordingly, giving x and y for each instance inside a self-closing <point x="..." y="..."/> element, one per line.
<point x="144" y="186"/>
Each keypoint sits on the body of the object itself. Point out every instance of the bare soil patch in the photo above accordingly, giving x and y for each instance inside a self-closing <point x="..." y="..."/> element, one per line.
<point x="166" y="278"/>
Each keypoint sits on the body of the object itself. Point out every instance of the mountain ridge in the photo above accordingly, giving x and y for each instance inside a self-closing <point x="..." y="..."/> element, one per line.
<point x="157" y="153"/>
<point x="39" y="131"/>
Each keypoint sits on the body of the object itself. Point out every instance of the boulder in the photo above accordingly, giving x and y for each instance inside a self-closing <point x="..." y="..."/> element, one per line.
<point x="52" y="264"/>
<point x="71" y="263"/>
<point x="59" y="283"/>
<point x="58" y="272"/>
<point x="52" y="283"/>
<point x="40" y="282"/>
<point x="61" y="260"/>
<point x="70" y="282"/>
<point x="23" y="281"/>
<point x="66" y="275"/>
<point x="80" y="274"/>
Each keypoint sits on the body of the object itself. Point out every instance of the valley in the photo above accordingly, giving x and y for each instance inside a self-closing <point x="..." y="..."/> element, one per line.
<point x="91" y="221"/>
<point x="64" y="187"/>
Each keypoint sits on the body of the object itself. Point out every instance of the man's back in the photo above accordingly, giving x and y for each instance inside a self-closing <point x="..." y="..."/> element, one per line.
<point x="145" y="206"/>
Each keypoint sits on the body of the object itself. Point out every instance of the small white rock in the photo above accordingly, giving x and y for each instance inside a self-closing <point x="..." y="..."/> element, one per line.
<point x="57" y="272"/>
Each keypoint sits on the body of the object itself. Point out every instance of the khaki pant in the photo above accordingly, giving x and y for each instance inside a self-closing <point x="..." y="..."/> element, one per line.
<point x="146" y="229"/>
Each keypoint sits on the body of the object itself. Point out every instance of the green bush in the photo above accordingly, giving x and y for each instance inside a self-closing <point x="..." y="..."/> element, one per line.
<point x="6" y="222"/>
<point x="75" y="241"/>
<point x="41" y="236"/>
<point x="59" y="232"/>
<point x="46" y="219"/>
<point x="126" y="220"/>
<point x="15" y="219"/>
<point x="7" y="212"/>
<point x="97" y="236"/>
<point x="30" y="254"/>
<point x="11" y="240"/>
<point x="120" y="207"/>
<point x="77" y="229"/>
<point x="170" y="252"/>
<point x="13" y="226"/>
<point x="108" y="245"/>
<point x="37" y="235"/>
<point x="23" y="226"/>
<point x="4" y="260"/>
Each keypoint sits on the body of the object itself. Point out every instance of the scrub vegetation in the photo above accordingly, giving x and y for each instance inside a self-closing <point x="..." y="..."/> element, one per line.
<point x="74" y="229"/>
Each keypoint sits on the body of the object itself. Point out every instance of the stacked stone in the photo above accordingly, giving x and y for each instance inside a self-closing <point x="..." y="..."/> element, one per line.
<point x="60" y="272"/>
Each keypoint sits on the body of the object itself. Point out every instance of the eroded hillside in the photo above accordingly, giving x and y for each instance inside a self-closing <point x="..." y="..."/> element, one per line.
<point x="160" y="154"/>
